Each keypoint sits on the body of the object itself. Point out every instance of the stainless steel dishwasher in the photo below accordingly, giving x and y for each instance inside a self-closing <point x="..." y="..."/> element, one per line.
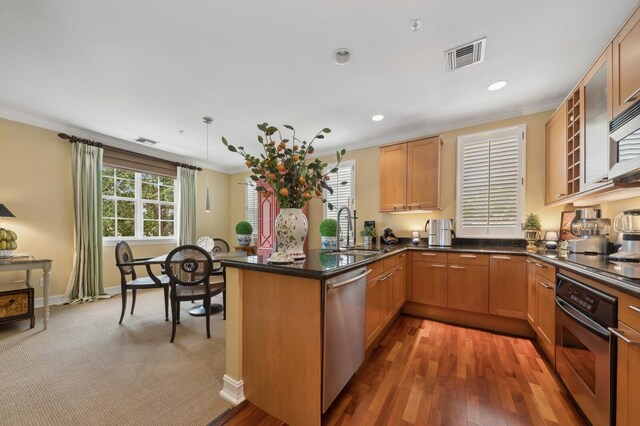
<point x="344" y="302"/>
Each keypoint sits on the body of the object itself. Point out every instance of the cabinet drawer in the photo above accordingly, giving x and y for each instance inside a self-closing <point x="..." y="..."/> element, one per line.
<point x="629" y="310"/>
<point x="430" y="256"/>
<point x="401" y="258"/>
<point x="376" y="269"/>
<point x="16" y="303"/>
<point x="468" y="258"/>
<point x="389" y="263"/>
<point x="545" y="270"/>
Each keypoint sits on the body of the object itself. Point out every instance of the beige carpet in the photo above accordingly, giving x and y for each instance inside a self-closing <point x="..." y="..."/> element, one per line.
<point x="86" y="369"/>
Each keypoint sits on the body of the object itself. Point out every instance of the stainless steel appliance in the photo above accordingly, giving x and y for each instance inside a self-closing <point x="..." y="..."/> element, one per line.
<point x="624" y="144"/>
<point x="585" y="349"/>
<point x="440" y="232"/>
<point x="343" y="350"/>
<point x="627" y="224"/>
<point x="592" y="232"/>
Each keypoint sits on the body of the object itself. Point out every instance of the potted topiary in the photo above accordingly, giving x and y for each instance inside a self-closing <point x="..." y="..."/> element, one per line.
<point x="531" y="229"/>
<point x="367" y="236"/>
<point x="244" y="231"/>
<point x="328" y="237"/>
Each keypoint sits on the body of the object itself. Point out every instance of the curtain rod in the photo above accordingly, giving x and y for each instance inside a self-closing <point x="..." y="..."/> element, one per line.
<point x="75" y="139"/>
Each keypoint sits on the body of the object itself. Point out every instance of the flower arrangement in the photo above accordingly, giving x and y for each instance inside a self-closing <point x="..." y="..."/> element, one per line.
<point x="282" y="170"/>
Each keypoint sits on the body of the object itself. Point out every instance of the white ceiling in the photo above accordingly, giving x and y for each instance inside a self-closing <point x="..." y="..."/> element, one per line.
<point x="130" y="68"/>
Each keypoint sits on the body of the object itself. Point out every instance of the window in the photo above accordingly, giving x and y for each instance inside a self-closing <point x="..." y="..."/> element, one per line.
<point x="343" y="184"/>
<point x="251" y="205"/>
<point x="137" y="205"/>
<point x="490" y="184"/>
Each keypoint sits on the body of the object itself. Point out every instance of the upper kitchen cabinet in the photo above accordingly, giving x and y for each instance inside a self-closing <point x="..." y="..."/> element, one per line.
<point x="556" y="156"/>
<point x="410" y="175"/>
<point x="626" y="65"/>
<point x="598" y="111"/>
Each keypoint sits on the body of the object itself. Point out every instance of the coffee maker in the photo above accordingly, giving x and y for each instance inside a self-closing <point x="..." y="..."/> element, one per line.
<point x="592" y="232"/>
<point x="627" y="223"/>
<point x="440" y="232"/>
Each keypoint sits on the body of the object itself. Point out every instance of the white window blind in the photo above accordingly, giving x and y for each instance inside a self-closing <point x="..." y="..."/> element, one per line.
<point x="251" y="205"/>
<point x="490" y="199"/>
<point x="343" y="184"/>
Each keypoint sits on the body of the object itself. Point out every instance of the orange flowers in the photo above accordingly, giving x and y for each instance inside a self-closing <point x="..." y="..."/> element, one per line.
<point x="284" y="192"/>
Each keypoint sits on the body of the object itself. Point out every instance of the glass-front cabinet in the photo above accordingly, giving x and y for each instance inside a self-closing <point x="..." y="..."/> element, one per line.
<point x="597" y="113"/>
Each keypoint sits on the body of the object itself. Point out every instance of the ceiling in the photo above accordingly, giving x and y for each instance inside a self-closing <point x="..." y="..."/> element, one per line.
<point x="117" y="70"/>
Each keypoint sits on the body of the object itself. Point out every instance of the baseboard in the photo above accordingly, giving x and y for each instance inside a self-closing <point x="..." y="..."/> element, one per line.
<point x="59" y="298"/>
<point x="232" y="390"/>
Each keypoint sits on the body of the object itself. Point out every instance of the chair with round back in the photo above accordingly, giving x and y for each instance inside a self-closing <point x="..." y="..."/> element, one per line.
<point x="221" y="246"/>
<point x="189" y="269"/>
<point x="126" y="264"/>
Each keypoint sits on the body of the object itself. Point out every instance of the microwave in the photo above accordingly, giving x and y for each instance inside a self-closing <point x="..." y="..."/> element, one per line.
<point x="624" y="145"/>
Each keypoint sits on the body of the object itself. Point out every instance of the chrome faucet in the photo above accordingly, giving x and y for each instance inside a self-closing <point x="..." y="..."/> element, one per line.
<point x="349" y="225"/>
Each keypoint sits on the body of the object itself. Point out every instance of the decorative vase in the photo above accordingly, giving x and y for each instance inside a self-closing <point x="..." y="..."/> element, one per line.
<point x="328" y="243"/>
<point x="244" y="240"/>
<point x="367" y="241"/>
<point x="531" y="236"/>
<point x="291" y="230"/>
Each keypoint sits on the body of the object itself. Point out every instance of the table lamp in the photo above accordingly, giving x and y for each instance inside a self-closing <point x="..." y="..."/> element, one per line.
<point x="551" y="240"/>
<point x="5" y="212"/>
<point x="415" y="237"/>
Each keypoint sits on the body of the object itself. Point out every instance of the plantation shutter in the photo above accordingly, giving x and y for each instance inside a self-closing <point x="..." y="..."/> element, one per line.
<point x="342" y="183"/>
<point x="490" y="183"/>
<point x="251" y="206"/>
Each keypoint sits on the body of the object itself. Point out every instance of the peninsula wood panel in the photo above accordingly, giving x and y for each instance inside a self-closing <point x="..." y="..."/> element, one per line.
<point x="281" y="340"/>
<point x="429" y="283"/>
<point x="423" y="173"/>
<point x="393" y="177"/>
<point x="626" y="65"/>
<point x="508" y="286"/>
<point x="628" y="385"/>
<point x="556" y="156"/>
<point x="468" y="288"/>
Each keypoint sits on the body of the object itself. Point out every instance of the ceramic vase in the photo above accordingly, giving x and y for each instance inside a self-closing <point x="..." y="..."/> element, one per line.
<point x="328" y="243"/>
<point x="244" y="240"/>
<point x="367" y="241"/>
<point x="291" y="230"/>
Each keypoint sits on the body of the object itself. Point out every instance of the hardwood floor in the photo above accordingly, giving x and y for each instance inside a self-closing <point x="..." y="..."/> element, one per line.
<point x="425" y="372"/>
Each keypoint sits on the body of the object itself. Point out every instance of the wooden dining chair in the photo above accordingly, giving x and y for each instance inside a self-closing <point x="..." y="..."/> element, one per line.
<point x="221" y="246"/>
<point x="126" y="264"/>
<point x="189" y="268"/>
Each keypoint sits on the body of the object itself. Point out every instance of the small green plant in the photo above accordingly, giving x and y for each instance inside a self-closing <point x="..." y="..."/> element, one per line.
<point x="328" y="228"/>
<point x="368" y="231"/>
<point x="244" y="228"/>
<point x="532" y="222"/>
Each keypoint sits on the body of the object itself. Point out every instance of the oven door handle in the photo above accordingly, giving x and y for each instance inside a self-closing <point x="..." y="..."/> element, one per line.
<point x="583" y="320"/>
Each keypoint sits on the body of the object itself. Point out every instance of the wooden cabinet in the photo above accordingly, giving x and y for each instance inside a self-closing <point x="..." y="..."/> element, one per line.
<point x="628" y="385"/>
<point x="410" y="175"/>
<point x="429" y="282"/>
<point x="597" y="105"/>
<point x="574" y="141"/>
<point x="373" y="311"/>
<point x="556" y="156"/>
<point x="399" y="287"/>
<point x="468" y="288"/>
<point x="626" y="65"/>
<point x="546" y="328"/>
<point x="387" y="296"/>
<point x="508" y="286"/>
<point x="532" y="295"/>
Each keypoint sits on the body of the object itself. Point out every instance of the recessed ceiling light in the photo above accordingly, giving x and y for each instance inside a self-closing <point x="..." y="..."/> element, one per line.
<point x="378" y="117"/>
<point x="497" y="85"/>
<point x="416" y="24"/>
<point x="341" y="56"/>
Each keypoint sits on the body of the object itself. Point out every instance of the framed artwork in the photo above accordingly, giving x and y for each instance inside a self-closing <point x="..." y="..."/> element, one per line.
<point x="565" y="225"/>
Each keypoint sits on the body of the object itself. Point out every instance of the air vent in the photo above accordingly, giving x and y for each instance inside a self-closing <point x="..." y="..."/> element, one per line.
<point x="468" y="54"/>
<point x="145" y="141"/>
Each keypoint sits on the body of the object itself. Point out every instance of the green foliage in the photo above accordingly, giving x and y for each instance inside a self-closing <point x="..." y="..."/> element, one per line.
<point x="244" y="228"/>
<point x="368" y="231"/>
<point x="328" y="228"/>
<point x="532" y="222"/>
<point x="282" y="170"/>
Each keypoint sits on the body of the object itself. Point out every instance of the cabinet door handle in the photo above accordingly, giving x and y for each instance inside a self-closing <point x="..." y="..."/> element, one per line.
<point x="437" y="266"/>
<point x="456" y="267"/>
<point x="634" y="308"/>
<point x="428" y="254"/>
<point x="470" y="256"/>
<point x="620" y="334"/>
<point x="540" y="265"/>
<point x="559" y="195"/>
<point x="529" y="261"/>
<point x="384" y="278"/>
<point x="633" y="96"/>
<point x="545" y="286"/>
<point x="502" y="257"/>
<point x="402" y="255"/>
<point x="400" y="268"/>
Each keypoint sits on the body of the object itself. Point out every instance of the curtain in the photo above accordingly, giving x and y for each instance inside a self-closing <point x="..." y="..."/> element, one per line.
<point x="187" y="206"/>
<point x="85" y="283"/>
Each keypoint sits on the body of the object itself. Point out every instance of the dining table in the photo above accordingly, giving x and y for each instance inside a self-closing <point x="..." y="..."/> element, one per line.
<point x="216" y="257"/>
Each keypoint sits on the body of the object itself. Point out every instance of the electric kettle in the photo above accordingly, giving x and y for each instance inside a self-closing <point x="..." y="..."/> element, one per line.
<point x="440" y="232"/>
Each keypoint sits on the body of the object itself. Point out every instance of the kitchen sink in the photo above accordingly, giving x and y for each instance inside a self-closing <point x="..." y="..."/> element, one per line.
<point x="357" y="252"/>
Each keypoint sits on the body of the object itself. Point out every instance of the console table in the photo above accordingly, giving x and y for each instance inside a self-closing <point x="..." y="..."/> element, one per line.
<point x="28" y="264"/>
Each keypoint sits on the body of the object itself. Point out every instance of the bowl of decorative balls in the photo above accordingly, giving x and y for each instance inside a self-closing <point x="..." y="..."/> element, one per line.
<point x="7" y="242"/>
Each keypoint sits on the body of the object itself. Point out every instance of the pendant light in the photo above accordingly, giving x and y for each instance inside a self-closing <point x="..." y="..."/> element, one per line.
<point x="207" y="203"/>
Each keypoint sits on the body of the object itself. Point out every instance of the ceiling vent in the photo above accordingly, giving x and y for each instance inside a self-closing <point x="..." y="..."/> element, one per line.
<point x="465" y="55"/>
<point x="145" y="141"/>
